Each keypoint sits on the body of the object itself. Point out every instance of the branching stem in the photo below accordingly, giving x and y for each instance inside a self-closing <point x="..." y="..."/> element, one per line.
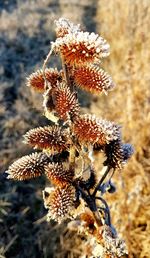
<point x="91" y="205"/>
<point x="107" y="211"/>
<point x="101" y="181"/>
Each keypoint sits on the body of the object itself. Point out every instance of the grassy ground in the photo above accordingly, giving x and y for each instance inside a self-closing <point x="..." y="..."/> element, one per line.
<point x="25" y="32"/>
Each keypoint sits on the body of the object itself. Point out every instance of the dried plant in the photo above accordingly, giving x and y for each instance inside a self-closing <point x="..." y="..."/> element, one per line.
<point x="78" y="191"/>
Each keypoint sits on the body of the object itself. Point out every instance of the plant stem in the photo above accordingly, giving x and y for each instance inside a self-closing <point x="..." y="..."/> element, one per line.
<point x="101" y="181"/>
<point x="108" y="222"/>
<point x="44" y="67"/>
<point x="91" y="205"/>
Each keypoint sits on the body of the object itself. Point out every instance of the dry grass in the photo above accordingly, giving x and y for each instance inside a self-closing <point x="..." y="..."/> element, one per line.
<point x="25" y="35"/>
<point x="125" y="24"/>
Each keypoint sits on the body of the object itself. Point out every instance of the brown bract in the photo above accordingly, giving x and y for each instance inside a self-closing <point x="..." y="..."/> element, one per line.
<point x="90" y="129"/>
<point x="50" y="138"/>
<point x="93" y="79"/>
<point x="58" y="175"/>
<point x="28" y="166"/>
<point x="81" y="47"/>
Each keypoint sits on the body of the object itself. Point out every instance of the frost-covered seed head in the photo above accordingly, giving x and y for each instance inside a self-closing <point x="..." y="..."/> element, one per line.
<point x="28" y="166"/>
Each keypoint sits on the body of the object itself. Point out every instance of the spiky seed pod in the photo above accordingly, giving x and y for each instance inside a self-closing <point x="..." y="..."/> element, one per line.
<point x="53" y="76"/>
<point x="90" y="129"/>
<point x="50" y="138"/>
<point x="37" y="82"/>
<point x="64" y="26"/>
<point x="81" y="47"/>
<point x="28" y="167"/>
<point x="57" y="175"/>
<point x="93" y="79"/>
<point x="66" y="104"/>
<point x="117" y="153"/>
<point x="59" y="202"/>
<point x="114" y="154"/>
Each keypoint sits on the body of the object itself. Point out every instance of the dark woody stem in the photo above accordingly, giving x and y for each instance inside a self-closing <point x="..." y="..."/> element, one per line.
<point x="107" y="211"/>
<point x="101" y="181"/>
<point x="91" y="204"/>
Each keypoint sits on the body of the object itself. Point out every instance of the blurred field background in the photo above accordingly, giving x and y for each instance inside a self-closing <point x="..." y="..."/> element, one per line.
<point x="26" y="29"/>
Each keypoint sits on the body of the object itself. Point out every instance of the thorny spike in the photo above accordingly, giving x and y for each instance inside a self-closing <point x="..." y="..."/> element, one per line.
<point x="59" y="202"/>
<point x="90" y="129"/>
<point x="51" y="138"/>
<point x="93" y="79"/>
<point x="81" y="47"/>
<point x="58" y="175"/>
<point x="37" y="81"/>
<point x="66" y="104"/>
<point x="28" y="167"/>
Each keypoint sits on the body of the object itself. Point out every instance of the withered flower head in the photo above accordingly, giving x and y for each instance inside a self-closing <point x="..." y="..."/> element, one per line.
<point x="53" y="76"/>
<point x="93" y="79"/>
<point x="58" y="175"/>
<point x="90" y="129"/>
<point x="81" y="47"/>
<point x="114" y="154"/>
<point x="117" y="153"/>
<point x="66" y="104"/>
<point x="51" y="138"/>
<point x="37" y="82"/>
<point x="59" y="202"/>
<point x="64" y="26"/>
<point x="28" y="166"/>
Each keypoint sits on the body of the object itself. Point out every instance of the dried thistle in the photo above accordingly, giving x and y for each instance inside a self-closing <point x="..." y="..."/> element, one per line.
<point x="59" y="202"/>
<point x="28" y="167"/>
<point x="58" y="175"/>
<point x="67" y="157"/>
<point x="90" y="129"/>
<point x="117" y="153"/>
<point x="50" y="138"/>
<point x="64" y="26"/>
<point x="93" y="79"/>
<point x="66" y="104"/>
<point x="37" y="82"/>
<point x="81" y="47"/>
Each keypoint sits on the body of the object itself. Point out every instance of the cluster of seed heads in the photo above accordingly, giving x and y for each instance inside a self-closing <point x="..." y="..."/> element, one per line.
<point x="72" y="137"/>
